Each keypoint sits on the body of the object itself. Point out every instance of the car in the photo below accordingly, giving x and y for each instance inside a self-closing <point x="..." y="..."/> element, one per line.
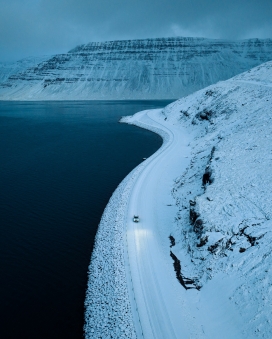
<point x="136" y="218"/>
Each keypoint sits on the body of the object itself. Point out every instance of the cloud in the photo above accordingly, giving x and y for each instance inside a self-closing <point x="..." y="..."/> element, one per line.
<point x="37" y="27"/>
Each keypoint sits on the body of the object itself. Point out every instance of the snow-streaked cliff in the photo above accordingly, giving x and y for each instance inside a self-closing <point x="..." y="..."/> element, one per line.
<point x="135" y="69"/>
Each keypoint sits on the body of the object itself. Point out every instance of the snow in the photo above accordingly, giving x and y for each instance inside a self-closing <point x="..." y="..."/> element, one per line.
<point x="8" y="69"/>
<point x="209" y="188"/>
<point x="161" y="68"/>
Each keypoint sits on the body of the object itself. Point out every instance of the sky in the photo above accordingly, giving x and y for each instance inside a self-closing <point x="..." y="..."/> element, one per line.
<point x="45" y="27"/>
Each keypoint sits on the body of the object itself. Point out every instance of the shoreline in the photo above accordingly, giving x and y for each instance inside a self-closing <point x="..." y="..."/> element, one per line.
<point x="109" y="306"/>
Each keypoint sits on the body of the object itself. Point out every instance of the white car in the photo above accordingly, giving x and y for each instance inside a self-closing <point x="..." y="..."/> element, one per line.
<point x="136" y="218"/>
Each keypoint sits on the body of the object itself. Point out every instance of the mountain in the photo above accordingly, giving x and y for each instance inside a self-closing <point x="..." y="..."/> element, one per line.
<point x="134" y="69"/>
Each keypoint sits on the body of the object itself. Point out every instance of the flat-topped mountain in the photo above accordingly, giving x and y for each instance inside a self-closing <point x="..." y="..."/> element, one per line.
<point x="135" y="69"/>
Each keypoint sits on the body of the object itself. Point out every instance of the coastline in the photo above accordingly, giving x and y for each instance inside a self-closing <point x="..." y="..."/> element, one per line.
<point x="109" y="307"/>
<point x="206" y="190"/>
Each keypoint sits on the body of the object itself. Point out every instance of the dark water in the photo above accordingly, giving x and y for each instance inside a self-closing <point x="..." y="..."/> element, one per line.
<point x="59" y="164"/>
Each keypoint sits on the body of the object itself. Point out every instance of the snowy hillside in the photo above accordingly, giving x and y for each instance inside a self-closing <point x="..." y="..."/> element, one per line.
<point x="135" y="69"/>
<point x="223" y="228"/>
<point x="198" y="264"/>
<point x="8" y="69"/>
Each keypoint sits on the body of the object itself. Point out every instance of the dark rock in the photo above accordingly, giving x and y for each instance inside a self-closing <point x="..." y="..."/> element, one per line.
<point x="204" y="115"/>
<point x="242" y="249"/>
<point x="183" y="280"/>
<point x="214" y="247"/>
<point x="172" y="240"/>
<point x="212" y="152"/>
<point x="185" y="113"/>
<point x="192" y="202"/>
<point x="193" y="215"/>
<point x="209" y="93"/>
<point x="207" y="177"/>
<point x="198" y="227"/>
<point x="252" y="240"/>
<point x="203" y="241"/>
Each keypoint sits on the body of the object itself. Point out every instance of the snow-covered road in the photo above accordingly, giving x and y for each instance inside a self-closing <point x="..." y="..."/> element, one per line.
<point x="162" y="308"/>
<point x="153" y="276"/>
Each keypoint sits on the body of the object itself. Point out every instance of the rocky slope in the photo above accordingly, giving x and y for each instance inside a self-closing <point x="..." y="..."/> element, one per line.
<point x="222" y="233"/>
<point x="134" y="69"/>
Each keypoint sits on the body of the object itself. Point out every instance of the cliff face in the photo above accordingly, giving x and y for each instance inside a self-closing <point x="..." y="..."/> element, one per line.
<point x="135" y="69"/>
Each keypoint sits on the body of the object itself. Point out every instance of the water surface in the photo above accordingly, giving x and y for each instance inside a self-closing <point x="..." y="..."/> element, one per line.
<point x="59" y="164"/>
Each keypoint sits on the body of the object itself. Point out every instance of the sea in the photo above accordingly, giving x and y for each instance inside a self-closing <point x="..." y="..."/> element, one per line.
<point x="60" y="161"/>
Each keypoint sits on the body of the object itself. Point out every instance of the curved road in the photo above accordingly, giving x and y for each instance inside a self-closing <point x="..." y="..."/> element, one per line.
<point x="161" y="307"/>
<point x="151" y="268"/>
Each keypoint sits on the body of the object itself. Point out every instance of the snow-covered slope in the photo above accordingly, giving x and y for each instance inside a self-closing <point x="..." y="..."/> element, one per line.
<point x="136" y="69"/>
<point x="223" y="227"/>
<point x="8" y="69"/>
<point x="198" y="264"/>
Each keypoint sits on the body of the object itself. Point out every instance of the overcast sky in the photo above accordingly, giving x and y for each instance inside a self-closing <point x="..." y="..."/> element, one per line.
<point x="41" y="27"/>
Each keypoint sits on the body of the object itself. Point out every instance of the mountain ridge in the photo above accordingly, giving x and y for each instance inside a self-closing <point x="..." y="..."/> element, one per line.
<point x="135" y="69"/>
